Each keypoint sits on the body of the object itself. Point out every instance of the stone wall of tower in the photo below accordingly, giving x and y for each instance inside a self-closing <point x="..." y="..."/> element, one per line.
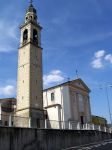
<point x="29" y="86"/>
<point x="23" y="83"/>
<point x="36" y="95"/>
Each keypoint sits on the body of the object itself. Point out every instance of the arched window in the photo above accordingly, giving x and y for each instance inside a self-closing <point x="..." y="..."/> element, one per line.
<point x="25" y="35"/>
<point x="35" y="18"/>
<point x="35" y="36"/>
<point x="31" y="17"/>
<point x="26" y="18"/>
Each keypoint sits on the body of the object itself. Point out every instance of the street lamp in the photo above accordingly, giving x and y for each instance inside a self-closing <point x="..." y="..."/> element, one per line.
<point x="106" y="91"/>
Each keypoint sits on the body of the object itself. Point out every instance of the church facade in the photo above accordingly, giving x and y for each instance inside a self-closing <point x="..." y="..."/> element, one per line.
<point x="67" y="102"/>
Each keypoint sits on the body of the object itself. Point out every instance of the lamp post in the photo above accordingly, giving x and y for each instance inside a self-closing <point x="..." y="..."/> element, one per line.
<point x="106" y="91"/>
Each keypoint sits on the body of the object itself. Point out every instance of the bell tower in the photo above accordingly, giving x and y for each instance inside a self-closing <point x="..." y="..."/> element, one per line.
<point x="29" y="81"/>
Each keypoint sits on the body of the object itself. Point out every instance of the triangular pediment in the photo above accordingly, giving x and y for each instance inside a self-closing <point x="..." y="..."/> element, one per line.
<point x="80" y="84"/>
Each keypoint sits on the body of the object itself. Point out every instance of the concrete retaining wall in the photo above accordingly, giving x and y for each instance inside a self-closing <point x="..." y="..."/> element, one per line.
<point x="41" y="139"/>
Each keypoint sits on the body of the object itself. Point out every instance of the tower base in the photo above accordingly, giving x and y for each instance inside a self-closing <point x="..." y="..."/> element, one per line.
<point x="33" y="118"/>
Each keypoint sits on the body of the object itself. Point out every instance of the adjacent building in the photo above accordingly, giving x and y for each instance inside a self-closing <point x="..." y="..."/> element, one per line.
<point x="97" y="120"/>
<point x="7" y="107"/>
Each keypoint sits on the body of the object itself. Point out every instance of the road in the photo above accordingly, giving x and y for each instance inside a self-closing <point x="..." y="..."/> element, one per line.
<point x="106" y="145"/>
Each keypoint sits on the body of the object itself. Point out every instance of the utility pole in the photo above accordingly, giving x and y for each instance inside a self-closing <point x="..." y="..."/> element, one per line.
<point x="107" y="96"/>
<point x="106" y="90"/>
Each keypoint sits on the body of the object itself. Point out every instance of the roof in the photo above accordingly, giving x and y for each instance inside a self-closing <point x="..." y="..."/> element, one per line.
<point x="99" y="117"/>
<point x="53" y="105"/>
<point x="8" y="100"/>
<point x="31" y="9"/>
<point x="69" y="83"/>
<point x="8" y="104"/>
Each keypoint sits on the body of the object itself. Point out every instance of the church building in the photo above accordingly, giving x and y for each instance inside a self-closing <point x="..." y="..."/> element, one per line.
<point x="67" y="102"/>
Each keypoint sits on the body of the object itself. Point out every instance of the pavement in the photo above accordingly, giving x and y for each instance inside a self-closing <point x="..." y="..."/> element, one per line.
<point x="105" y="145"/>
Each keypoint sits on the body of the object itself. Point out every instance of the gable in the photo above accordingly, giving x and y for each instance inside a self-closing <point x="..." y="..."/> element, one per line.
<point x="80" y="84"/>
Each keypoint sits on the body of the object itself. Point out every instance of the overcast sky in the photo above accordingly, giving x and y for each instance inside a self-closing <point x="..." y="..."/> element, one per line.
<point x="77" y="35"/>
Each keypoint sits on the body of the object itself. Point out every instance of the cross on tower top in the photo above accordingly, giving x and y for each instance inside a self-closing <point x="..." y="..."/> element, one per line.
<point x="31" y="1"/>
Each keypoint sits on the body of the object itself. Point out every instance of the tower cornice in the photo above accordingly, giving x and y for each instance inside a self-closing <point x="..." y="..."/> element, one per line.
<point x="30" y="42"/>
<point x="30" y="22"/>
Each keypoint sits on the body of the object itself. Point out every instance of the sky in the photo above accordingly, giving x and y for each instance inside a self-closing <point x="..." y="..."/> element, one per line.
<point x="76" y="35"/>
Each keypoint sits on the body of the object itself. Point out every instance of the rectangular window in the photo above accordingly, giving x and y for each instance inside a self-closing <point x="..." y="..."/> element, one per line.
<point x="52" y="96"/>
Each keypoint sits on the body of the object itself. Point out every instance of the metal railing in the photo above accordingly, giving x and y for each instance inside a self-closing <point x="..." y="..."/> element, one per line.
<point x="73" y="125"/>
<point x="18" y="121"/>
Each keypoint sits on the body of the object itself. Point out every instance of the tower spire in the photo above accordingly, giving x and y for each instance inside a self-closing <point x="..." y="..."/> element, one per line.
<point x="31" y="1"/>
<point x="31" y="13"/>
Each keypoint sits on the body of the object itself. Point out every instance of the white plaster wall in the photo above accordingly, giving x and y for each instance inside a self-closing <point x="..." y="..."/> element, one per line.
<point x="62" y="98"/>
<point x="53" y="113"/>
<point x="53" y="117"/>
<point x="47" y="97"/>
